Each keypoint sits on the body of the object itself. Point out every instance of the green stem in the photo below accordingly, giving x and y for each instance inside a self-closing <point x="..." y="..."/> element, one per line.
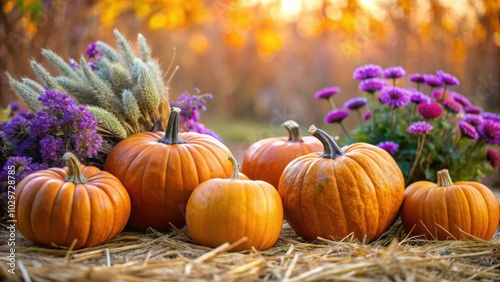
<point x="420" y="146"/>
<point x="172" y="131"/>
<point x="293" y="129"/>
<point x="393" y="118"/>
<point x="361" y="121"/>
<point x="345" y="131"/>
<point x="75" y="174"/>
<point x="412" y="108"/>
<point x="442" y="95"/>
<point x="236" y="169"/>
<point x="331" y="103"/>
<point x="330" y="148"/>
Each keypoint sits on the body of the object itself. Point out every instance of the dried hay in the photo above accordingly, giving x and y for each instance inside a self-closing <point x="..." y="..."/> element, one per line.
<point x="154" y="256"/>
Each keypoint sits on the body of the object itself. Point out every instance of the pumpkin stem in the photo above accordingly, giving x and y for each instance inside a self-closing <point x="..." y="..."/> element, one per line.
<point x="331" y="148"/>
<point x="443" y="178"/>
<point x="75" y="174"/>
<point x="172" y="131"/>
<point x="293" y="129"/>
<point x="234" y="174"/>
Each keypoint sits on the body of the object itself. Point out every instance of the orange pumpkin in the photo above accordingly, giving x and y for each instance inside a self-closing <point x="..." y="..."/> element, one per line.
<point x="267" y="158"/>
<point x="356" y="189"/>
<point x="161" y="169"/>
<point x="57" y="206"/>
<point x="447" y="210"/>
<point x="226" y="210"/>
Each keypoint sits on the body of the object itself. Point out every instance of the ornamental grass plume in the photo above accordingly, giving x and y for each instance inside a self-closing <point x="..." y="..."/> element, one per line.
<point x="423" y="124"/>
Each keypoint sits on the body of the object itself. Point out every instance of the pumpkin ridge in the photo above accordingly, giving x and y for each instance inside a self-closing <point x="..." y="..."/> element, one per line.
<point x="469" y="193"/>
<point x="371" y="187"/>
<point x="332" y="186"/>
<point x="360" y="216"/>
<point x="106" y="199"/>
<point x="52" y="214"/>
<point x="45" y="185"/>
<point x="340" y="200"/>
<point x="487" y="195"/>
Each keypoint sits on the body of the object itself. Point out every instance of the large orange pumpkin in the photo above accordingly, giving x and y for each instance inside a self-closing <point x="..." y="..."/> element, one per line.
<point x="356" y="189"/>
<point x="226" y="210"/>
<point x="447" y="210"/>
<point x="161" y="169"/>
<point x="267" y="158"/>
<point x="57" y="206"/>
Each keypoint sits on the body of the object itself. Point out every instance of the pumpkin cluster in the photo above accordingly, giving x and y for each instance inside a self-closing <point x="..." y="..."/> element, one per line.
<point x="170" y="178"/>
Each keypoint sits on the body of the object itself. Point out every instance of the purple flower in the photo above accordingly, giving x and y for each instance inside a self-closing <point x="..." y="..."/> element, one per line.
<point x="417" y="78"/>
<point x="389" y="146"/>
<point x="493" y="156"/>
<point x="489" y="130"/>
<point x="92" y="51"/>
<point x="460" y="98"/>
<point x="429" y="110"/>
<point x="452" y="106"/>
<point x="418" y="97"/>
<point x="355" y="103"/>
<point x="326" y="92"/>
<point x="51" y="148"/>
<point x="467" y="130"/>
<point x="367" y="116"/>
<point x="336" y="116"/>
<point x="73" y="64"/>
<point x="371" y="85"/>
<point x="433" y="80"/>
<point x="394" y="72"/>
<point x="420" y="127"/>
<point x="473" y="119"/>
<point x="471" y="109"/>
<point x="394" y="96"/>
<point x="367" y="71"/>
<point x="14" y="109"/>
<point x="491" y="116"/>
<point x="447" y="78"/>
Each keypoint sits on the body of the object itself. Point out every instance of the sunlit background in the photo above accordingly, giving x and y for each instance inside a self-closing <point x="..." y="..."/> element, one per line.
<point x="263" y="59"/>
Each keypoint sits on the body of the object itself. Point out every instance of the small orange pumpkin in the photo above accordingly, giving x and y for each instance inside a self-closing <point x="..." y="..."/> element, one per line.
<point x="267" y="158"/>
<point x="226" y="210"/>
<point x="447" y="210"/>
<point x="356" y="189"/>
<point x="161" y="169"/>
<point x="57" y="206"/>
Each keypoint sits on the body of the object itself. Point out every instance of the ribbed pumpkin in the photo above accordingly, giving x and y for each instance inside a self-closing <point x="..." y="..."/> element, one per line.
<point x="57" y="206"/>
<point x="267" y="158"/>
<point x="447" y="210"/>
<point x="226" y="210"/>
<point x="161" y="169"/>
<point x="356" y="189"/>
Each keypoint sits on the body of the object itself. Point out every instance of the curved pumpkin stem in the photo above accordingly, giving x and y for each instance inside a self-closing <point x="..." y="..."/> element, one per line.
<point x="236" y="169"/>
<point x="331" y="148"/>
<point x="444" y="179"/>
<point x="172" y="131"/>
<point x="293" y="129"/>
<point x="75" y="174"/>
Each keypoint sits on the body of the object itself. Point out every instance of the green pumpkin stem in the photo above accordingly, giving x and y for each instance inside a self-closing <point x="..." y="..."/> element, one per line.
<point x="75" y="174"/>
<point x="172" y="131"/>
<point x="331" y="148"/>
<point x="293" y="129"/>
<point x="444" y="179"/>
<point x="236" y="169"/>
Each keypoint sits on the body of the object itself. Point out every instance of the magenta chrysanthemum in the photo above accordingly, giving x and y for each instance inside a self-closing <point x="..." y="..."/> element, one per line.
<point x="467" y="130"/>
<point x="355" y="103"/>
<point x="493" y="157"/>
<point x="452" y="106"/>
<point x="367" y="71"/>
<point x="429" y="110"/>
<point x="491" y="116"/>
<point x="464" y="101"/>
<point x="394" y="72"/>
<point x="417" y="78"/>
<point x="326" y="92"/>
<point x="372" y="85"/>
<point x="418" y="97"/>
<point x="489" y="130"/>
<point x="473" y="119"/>
<point x="336" y="116"/>
<point x="394" y="96"/>
<point x="471" y="109"/>
<point x="420" y="127"/>
<point x="433" y="80"/>
<point x="389" y="146"/>
<point x="447" y="78"/>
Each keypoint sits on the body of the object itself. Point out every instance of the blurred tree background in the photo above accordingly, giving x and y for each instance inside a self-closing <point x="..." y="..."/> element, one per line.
<point x="263" y="59"/>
